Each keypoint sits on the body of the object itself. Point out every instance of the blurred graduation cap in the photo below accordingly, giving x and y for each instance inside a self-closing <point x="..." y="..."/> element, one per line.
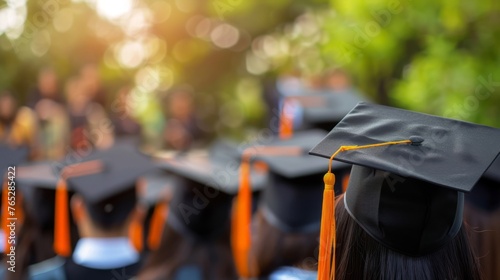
<point x="106" y="180"/>
<point x="201" y="203"/>
<point x="10" y="157"/>
<point x="334" y="106"/>
<point x="37" y="183"/>
<point x="408" y="176"/>
<point x="486" y="193"/>
<point x="292" y="200"/>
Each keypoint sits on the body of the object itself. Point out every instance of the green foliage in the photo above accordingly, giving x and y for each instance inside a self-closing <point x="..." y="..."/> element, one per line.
<point x="438" y="57"/>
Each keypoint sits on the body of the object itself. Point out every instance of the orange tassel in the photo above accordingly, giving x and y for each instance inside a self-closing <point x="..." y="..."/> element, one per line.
<point x="156" y="226"/>
<point x="5" y="211"/>
<point x="286" y="122"/>
<point x="136" y="227"/>
<point x="240" y="234"/>
<point x="327" y="231"/>
<point x="62" y="242"/>
<point x="136" y="234"/>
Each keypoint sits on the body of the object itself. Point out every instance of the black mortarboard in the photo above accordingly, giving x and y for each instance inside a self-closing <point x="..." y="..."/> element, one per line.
<point x="10" y="156"/>
<point x="334" y="106"/>
<point x="408" y="195"/>
<point x="106" y="180"/>
<point x="201" y="203"/>
<point x="37" y="182"/>
<point x="292" y="200"/>
<point x="105" y="191"/>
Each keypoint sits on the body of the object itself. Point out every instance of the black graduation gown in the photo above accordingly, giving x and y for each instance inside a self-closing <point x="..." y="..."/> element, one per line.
<point x="65" y="269"/>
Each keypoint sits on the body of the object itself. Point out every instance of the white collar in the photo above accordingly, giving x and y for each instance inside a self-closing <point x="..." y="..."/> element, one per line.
<point x="105" y="253"/>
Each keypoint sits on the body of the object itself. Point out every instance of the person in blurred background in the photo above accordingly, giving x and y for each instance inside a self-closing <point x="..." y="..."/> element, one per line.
<point x="195" y="243"/>
<point x="51" y="115"/>
<point x="181" y="131"/>
<point x="18" y="126"/>
<point x="125" y="124"/>
<point x="103" y="207"/>
<point x="91" y="82"/>
<point x="47" y="88"/>
<point x="287" y="223"/>
<point x="54" y="127"/>
<point x="89" y="124"/>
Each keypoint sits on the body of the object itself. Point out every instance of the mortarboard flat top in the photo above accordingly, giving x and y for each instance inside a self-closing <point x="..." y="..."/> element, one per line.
<point x="334" y="107"/>
<point x="453" y="153"/>
<point x="222" y="174"/>
<point x="12" y="156"/>
<point x="122" y="167"/>
<point x="39" y="174"/>
<point x="294" y="166"/>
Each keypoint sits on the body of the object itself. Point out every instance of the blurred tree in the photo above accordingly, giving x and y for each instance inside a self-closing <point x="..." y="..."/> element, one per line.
<point x="437" y="57"/>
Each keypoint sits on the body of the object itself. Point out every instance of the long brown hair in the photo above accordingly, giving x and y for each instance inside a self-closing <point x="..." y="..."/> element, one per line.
<point x="273" y="248"/>
<point x="358" y="256"/>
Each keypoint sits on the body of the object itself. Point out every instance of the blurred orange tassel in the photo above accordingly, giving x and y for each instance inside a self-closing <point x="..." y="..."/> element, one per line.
<point x="156" y="226"/>
<point x="286" y="121"/>
<point x="62" y="242"/>
<point x="240" y="233"/>
<point x="136" y="234"/>
<point x="5" y="211"/>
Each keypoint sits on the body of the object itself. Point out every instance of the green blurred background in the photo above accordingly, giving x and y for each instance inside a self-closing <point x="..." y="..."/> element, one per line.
<point x="439" y="57"/>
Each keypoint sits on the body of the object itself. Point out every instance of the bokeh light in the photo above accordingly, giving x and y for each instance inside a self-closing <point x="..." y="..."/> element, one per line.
<point x="224" y="36"/>
<point x="113" y="9"/>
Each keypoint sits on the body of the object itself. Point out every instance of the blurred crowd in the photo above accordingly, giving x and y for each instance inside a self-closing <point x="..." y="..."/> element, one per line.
<point x="196" y="208"/>
<point x="78" y="116"/>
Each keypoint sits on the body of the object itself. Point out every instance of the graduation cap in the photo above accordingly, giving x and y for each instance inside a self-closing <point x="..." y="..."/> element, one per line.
<point x="408" y="176"/>
<point x="10" y="157"/>
<point x="37" y="182"/>
<point x="292" y="201"/>
<point x="321" y="110"/>
<point x="201" y="203"/>
<point x="106" y="180"/>
<point x="333" y="107"/>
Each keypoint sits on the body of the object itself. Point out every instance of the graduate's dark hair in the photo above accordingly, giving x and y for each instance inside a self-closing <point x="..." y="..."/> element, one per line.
<point x="359" y="256"/>
<point x="213" y="257"/>
<point x="107" y="218"/>
<point x="273" y="248"/>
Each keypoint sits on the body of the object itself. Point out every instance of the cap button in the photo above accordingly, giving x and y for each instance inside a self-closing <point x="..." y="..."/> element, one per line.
<point x="416" y="140"/>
